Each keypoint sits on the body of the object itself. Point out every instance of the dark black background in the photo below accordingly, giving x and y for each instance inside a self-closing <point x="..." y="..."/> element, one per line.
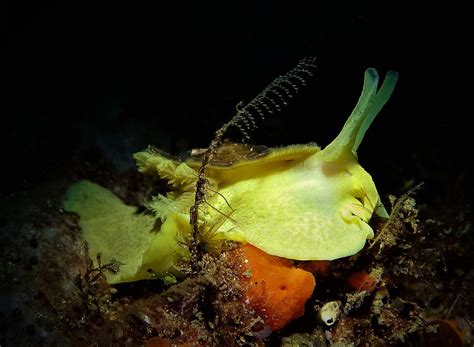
<point x="121" y="76"/>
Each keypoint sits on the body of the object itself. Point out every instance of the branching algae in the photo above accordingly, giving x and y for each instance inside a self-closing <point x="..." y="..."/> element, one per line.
<point x="299" y="202"/>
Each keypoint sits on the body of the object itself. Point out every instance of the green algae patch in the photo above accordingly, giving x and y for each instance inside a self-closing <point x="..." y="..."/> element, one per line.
<point x="120" y="233"/>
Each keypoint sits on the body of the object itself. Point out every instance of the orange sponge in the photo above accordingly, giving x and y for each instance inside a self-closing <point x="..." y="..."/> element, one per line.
<point x="275" y="289"/>
<point x="362" y="281"/>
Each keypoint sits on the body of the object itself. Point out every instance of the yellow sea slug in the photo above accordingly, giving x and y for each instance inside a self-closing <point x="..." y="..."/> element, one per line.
<point x="299" y="202"/>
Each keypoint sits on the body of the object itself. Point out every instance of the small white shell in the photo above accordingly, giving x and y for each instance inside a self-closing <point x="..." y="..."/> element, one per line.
<point x="329" y="312"/>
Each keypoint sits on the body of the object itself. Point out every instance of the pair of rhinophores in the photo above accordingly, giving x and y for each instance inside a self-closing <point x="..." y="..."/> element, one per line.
<point x="299" y="202"/>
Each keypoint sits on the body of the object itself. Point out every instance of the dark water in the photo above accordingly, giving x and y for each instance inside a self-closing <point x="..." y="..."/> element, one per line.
<point x="121" y="77"/>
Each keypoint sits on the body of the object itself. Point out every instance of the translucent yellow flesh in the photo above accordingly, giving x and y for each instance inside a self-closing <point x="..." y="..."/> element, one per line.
<point x="310" y="210"/>
<point x="118" y="232"/>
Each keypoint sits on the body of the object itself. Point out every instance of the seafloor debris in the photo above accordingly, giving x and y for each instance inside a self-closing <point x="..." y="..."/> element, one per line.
<point x="422" y="292"/>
